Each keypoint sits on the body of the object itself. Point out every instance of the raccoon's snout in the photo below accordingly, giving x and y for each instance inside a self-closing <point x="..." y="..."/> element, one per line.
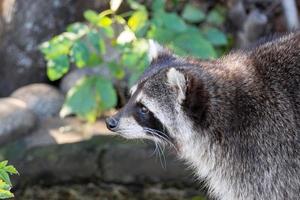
<point x="111" y="123"/>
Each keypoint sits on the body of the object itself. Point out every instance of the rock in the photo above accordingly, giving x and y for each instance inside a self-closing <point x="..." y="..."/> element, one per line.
<point x="136" y="164"/>
<point x="102" y="158"/>
<point x="237" y="15"/>
<point x="25" y="25"/>
<point x="253" y="28"/>
<point x="15" y="119"/>
<point x="44" y="100"/>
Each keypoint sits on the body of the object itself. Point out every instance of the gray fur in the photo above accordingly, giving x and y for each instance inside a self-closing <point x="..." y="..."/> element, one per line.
<point x="239" y="123"/>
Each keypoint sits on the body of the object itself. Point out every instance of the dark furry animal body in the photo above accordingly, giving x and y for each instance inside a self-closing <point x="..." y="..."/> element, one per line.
<point x="235" y="120"/>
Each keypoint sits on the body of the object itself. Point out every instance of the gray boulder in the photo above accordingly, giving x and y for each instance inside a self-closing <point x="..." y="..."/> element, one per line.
<point x="25" y="25"/>
<point x="15" y="119"/>
<point x="44" y="100"/>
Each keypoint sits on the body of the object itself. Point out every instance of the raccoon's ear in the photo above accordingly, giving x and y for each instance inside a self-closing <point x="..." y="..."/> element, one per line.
<point x="155" y="50"/>
<point x="197" y="97"/>
<point x="177" y="81"/>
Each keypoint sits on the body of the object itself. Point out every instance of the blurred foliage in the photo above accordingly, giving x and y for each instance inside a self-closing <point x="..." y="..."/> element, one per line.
<point x="5" y="183"/>
<point x="192" y="32"/>
<point x="198" y="198"/>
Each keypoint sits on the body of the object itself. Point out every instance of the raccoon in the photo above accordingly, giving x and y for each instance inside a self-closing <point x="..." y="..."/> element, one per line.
<point x="234" y="120"/>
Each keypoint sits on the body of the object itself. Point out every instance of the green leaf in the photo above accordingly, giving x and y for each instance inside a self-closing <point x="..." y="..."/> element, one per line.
<point x="3" y="163"/>
<point x="94" y="60"/>
<point x="195" y="44"/>
<point x="198" y="198"/>
<point x="135" y="5"/>
<point x="215" y="17"/>
<point x="5" y="194"/>
<point x="11" y="169"/>
<point x="78" y="28"/>
<point x="173" y="22"/>
<point x="104" y="22"/>
<point x="59" y="45"/>
<point x="108" y="31"/>
<point x="4" y="186"/>
<point x="91" y="16"/>
<point x="130" y="59"/>
<point x="81" y="100"/>
<point x="89" y="97"/>
<point x="106" y="92"/>
<point x="193" y="14"/>
<point x="116" y="70"/>
<point x="80" y="54"/>
<point x="5" y="177"/>
<point x="115" y="4"/>
<point x="158" y="5"/>
<point x="160" y="34"/>
<point x="97" y="42"/>
<point x="215" y="36"/>
<point x="138" y="20"/>
<point x="57" y="67"/>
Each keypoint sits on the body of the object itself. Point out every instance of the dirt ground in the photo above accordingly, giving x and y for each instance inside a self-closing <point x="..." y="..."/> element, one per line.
<point x="92" y="191"/>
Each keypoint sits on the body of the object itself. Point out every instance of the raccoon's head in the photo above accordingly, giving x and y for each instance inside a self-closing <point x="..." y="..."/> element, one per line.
<point x="163" y="102"/>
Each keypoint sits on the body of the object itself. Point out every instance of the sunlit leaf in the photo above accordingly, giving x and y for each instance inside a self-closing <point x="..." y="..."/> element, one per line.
<point x="125" y="37"/>
<point x="59" y="45"/>
<point x="11" y="169"/>
<point x="5" y="177"/>
<point x="138" y="19"/>
<point x="57" y="67"/>
<point x="4" y="194"/>
<point x="104" y="22"/>
<point x="115" y="4"/>
<point x="4" y="186"/>
<point x="3" y="163"/>
<point x="78" y="28"/>
<point x="192" y="13"/>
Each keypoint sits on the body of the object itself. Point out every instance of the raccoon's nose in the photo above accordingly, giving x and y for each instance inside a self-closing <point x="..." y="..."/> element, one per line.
<point x="111" y="123"/>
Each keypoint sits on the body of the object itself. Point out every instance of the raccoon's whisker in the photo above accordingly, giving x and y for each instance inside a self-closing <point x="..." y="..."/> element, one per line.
<point x="159" y="151"/>
<point x="154" y="134"/>
<point x="154" y="149"/>
<point x="165" y="139"/>
<point x="158" y="132"/>
<point x="161" y="133"/>
<point x="162" y="158"/>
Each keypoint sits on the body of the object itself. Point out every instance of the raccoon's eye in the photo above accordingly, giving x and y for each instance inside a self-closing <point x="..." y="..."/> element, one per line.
<point x="144" y="110"/>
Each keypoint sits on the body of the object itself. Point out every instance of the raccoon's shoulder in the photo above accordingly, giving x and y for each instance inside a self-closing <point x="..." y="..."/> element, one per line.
<point x="279" y="56"/>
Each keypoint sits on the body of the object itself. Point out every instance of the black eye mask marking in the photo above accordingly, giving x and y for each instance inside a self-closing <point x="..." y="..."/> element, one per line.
<point x="150" y="123"/>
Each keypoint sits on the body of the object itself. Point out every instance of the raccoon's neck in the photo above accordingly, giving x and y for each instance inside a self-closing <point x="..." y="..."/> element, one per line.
<point x="201" y="155"/>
